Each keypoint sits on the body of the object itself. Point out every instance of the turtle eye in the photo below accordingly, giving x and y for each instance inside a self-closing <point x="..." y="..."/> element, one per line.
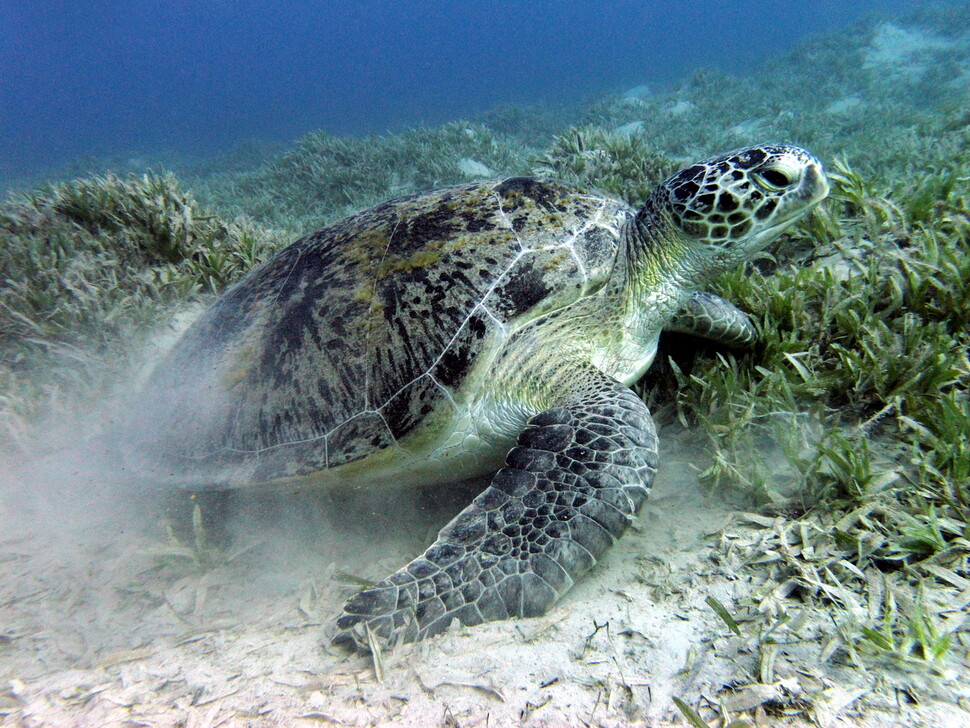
<point x="773" y="179"/>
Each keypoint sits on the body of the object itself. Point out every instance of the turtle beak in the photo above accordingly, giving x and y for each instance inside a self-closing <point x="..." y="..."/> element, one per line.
<point x="808" y="188"/>
<point x="814" y="186"/>
<point x="811" y="186"/>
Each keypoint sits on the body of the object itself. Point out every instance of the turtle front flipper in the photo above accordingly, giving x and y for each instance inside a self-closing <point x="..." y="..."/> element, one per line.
<point x="569" y="489"/>
<point x="711" y="317"/>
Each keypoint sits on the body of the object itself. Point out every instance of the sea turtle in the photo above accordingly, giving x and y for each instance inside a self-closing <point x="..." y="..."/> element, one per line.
<point x="434" y="336"/>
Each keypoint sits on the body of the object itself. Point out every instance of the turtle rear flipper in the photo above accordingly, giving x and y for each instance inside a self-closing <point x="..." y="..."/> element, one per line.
<point x="573" y="484"/>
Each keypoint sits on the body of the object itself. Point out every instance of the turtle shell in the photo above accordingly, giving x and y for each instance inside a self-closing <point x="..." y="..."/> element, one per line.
<point x="347" y="342"/>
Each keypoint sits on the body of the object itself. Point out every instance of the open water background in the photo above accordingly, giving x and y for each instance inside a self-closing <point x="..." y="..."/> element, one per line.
<point x="125" y="77"/>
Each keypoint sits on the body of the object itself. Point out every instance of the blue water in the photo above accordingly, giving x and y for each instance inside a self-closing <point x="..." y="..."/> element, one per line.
<point x="124" y="76"/>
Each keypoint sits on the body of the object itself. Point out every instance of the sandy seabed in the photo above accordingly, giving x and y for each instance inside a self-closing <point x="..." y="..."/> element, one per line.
<point x="102" y="623"/>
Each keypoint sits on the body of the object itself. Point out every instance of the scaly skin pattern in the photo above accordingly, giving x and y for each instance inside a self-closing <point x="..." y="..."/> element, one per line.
<point x="570" y="487"/>
<point x="432" y="336"/>
<point x="711" y="317"/>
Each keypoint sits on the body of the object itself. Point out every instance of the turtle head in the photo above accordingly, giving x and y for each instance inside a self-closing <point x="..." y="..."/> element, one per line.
<point x="739" y="202"/>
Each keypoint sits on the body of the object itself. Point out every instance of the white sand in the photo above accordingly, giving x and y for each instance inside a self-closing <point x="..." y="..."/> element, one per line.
<point x="94" y="633"/>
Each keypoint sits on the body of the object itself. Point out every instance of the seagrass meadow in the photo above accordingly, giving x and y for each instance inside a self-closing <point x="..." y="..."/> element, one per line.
<point x="841" y="444"/>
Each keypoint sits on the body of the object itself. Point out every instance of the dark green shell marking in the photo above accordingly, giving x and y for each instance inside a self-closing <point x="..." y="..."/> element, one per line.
<point x="345" y="342"/>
